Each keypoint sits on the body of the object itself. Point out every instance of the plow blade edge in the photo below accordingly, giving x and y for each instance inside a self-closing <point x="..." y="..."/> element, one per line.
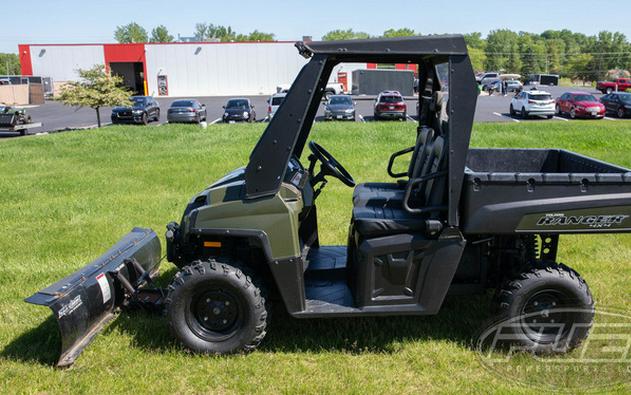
<point x="86" y="300"/>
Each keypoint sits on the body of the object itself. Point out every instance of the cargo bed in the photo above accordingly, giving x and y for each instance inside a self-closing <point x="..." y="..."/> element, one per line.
<point x="544" y="191"/>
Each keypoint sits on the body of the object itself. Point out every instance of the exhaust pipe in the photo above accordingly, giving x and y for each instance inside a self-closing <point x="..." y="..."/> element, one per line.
<point x="85" y="301"/>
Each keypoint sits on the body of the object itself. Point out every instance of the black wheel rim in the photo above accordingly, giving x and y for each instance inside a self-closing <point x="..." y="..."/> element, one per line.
<point x="545" y="318"/>
<point x="216" y="313"/>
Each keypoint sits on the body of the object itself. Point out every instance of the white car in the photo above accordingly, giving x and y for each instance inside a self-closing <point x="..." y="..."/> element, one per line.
<point x="534" y="102"/>
<point x="484" y="77"/>
<point x="273" y="103"/>
<point x="332" y="88"/>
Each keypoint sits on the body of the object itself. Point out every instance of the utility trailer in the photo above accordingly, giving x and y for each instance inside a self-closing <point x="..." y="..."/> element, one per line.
<point x="458" y="221"/>
<point x="22" y="129"/>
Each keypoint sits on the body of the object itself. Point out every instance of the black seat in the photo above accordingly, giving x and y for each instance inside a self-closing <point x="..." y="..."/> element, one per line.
<point x="378" y="192"/>
<point x="391" y="218"/>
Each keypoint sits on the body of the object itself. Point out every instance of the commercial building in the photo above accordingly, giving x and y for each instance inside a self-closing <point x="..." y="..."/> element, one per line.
<point x="172" y="69"/>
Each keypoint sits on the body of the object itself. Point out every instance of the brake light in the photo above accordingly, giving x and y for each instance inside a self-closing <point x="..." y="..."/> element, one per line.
<point x="269" y="109"/>
<point x="191" y="110"/>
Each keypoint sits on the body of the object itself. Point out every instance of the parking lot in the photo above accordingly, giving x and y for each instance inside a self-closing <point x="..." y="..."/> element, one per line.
<point x="57" y="117"/>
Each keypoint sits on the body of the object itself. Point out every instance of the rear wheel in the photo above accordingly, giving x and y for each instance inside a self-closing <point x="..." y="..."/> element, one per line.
<point x="214" y="308"/>
<point x="549" y="307"/>
<point x="621" y="112"/>
<point x="557" y="110"/>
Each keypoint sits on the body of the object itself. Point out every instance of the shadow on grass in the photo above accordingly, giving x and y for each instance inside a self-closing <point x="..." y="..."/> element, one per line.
<point x="38" y="345"/>
<point x="458" y="321"/>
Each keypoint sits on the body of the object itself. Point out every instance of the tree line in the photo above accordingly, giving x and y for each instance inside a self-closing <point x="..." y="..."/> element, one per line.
<point x="573" y="55"/>
<point x="134" y="33"/>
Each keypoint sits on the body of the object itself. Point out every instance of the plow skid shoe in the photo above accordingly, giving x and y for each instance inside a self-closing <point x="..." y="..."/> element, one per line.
<point x="86" y="300"/>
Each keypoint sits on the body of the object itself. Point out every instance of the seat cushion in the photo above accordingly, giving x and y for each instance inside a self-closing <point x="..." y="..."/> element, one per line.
<point x="372" y="221"/>
<point x="377" y="193"/>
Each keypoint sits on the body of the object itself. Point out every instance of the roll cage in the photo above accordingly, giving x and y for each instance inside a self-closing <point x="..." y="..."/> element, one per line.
<point x="287" y="133"/>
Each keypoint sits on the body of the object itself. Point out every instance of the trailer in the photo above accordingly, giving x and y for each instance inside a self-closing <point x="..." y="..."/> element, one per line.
<point x="23" y="129"/>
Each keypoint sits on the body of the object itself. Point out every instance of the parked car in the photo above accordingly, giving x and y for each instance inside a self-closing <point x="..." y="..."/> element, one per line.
<point x="273" y="103"/>
<point x="618" y="103"/>
<point x="144" y="109"/>
<point x="514" y="86"/>
<point x="339" y="107"/>
<point x="580" y="105"/>
<point x="533" y="102"/>
<point x="239" y="110"/>
<point x="333" y="88"/>
<point x="619" y="85"/>
<point x="390" y="105"/>
<point x="5" y="81"/>
<point x="482" y="77"/>
<point x="189" y="110"/>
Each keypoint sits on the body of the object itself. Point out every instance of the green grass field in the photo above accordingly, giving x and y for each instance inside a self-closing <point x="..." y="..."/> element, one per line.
<point x="65" y="198"/>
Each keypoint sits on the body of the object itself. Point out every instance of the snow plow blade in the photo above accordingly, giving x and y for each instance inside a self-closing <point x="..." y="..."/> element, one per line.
<point x="85" y="301"/>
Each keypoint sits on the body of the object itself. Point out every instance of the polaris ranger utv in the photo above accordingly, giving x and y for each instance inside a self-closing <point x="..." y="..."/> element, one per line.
<point x="459" y="221"/>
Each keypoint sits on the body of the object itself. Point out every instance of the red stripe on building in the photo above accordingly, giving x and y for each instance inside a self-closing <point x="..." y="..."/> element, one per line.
<point x="25" y="59"/>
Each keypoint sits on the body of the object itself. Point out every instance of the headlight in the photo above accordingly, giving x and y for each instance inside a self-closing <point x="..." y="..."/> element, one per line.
<point x="245" y="114"/>
<point x="350" y="110"/>
<point x="580" y="107"/>
<point x="137" y="111"/>
<point x="225" y="114"/>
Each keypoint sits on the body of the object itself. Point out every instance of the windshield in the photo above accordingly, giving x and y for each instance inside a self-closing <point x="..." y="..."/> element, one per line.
<point x="390" y="99"/>
<point x="182" y="103"/>
<point x="277" y="101"/>
<point x="540" y="97"/>
<point x="238" y="104"/>
<point x="138" y="101"/>
<point x="584" y="98"/>
<point x="626" y="98"/>
<point x="337" y="100"/>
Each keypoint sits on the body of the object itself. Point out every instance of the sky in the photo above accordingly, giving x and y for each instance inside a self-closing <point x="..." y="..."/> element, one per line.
<point x="73" y="21"/>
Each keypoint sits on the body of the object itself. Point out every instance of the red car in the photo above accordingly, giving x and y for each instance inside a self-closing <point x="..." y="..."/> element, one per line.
<point x="580" y="105"/>
<point x="390" y="105"/>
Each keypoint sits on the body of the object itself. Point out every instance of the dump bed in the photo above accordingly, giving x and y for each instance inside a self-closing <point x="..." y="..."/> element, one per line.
<point x="543" y="191"/>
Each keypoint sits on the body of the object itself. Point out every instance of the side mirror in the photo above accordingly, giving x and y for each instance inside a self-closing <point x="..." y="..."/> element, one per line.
<point x="267" y="101"/>
<point x="203" y="106"/>
<point x="224" y="107"/>
<point x="253" y="106"/>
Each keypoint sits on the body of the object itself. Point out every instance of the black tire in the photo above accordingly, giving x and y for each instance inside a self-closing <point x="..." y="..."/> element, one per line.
<point x="558" y="110"/>
<point x="524" y="114"/>
<point x="157" y="117"/>
<point x="206" y="290"/>
<point x="573" y="113"/>
<point x="545" y="286"/>
<point x="145" y="119"/>
<point x="512" y="111"/>
<point x="621" y="112"/>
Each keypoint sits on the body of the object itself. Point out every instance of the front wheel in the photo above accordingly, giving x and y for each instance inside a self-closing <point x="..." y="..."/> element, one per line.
<point x="621" y="112"/>
<point x="573" y="113"/>
<point x="512" y="111"/>
<point x="548" y="308"/>
<point x="145" y="119"/>
<point x="214" y="308"/>
<point x="524" y="113"/>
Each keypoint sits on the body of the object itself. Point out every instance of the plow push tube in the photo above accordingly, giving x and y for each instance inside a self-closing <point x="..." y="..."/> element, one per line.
<point x="86" y="300"/>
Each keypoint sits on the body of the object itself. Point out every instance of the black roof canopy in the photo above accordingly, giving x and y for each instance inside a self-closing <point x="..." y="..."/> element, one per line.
<point x="288" y="131"/>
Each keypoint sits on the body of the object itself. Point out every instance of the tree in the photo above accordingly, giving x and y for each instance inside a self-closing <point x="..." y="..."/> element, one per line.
<point x="475" y="40"/>
<point x="402" y="32"/>
<point x="9" y="64"/>
<point x="160" y="34"/>
<point x="260" y="36"/>
<point x="501" y="48"/>
<point x="131" y="33"/>
<point x="348" y="34"/>
<point x="478" y="58"/>
<point x="95" y="89"/>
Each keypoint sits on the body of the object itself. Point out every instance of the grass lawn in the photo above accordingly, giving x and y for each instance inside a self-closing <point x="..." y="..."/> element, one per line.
<point x="65" y="198"/>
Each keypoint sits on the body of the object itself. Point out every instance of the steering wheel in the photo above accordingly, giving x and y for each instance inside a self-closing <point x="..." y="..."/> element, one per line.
<point x="330" y="166"/>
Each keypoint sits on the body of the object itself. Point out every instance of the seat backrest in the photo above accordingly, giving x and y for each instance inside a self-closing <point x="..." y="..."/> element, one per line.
<point x="419" y="156"/>
<point x="434" y="192"/>
<point x="433" y="153"/>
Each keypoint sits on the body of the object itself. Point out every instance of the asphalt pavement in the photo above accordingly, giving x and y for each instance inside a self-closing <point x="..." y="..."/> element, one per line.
<point x="55" y="116"/>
